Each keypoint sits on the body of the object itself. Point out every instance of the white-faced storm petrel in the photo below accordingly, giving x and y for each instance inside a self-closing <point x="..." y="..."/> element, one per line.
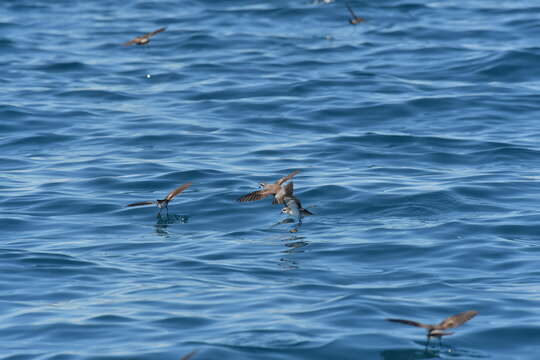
<point x="143" y="39"/>
<point x="165" y="202"/>
<point x="354" y="19"/>
<point x="269" y="189"/>
<point x="293" y="207"/>
<point x="438" y="330"/>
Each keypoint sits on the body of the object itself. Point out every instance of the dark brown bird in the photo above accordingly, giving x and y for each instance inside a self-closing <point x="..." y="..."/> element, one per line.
<point x="188" y="356"/>
<point x="165" y="202"/>
<point x="293" y="207"/>
<point x="269" y="189"/>
<point x="354" y="19"/>
<point x="143" y="39"/>
<point x="448" y="323"/>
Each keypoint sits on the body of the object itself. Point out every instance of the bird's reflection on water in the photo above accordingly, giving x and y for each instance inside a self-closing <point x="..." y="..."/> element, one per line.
<point x="163" y="222"/>
<point x="293" y="244"/>
<point x="411" y="354"/>
<point x="431" y="351"/>
<point x="289" y="221"/>
<point x="284" y="221"/>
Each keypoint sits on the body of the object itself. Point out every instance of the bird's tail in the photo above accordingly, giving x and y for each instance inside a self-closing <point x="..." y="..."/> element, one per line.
<point x="307" y="212"/>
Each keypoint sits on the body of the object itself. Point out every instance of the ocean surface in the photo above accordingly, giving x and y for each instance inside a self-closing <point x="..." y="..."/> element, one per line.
<point x="417" y="137"/>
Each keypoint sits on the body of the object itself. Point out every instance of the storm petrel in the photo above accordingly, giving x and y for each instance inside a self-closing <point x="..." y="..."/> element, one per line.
<point x="165" y="202"/>
<point x="354" y="19"/>
<point x="269" y="189"/>
<point x="448" y="323"/>
<point x="143" y="39"/>
<point x="293" y="207"/>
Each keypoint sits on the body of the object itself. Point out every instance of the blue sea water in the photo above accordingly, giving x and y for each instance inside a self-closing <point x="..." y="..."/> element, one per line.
<point x="416" y="133"/>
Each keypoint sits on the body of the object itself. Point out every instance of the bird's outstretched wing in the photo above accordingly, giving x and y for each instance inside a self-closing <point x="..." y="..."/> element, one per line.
<point x="412" y="323"/>
<point x="288" y="177"/>
<point x="456" y="320"/>
<point x="177" y="191"/>
<point x="252" y="196"/>
<point x="188" y="356"/>
<point x="142" y="203"/>
<point x="350" y="10"/>
<point x="154" y="32"/>
<point x="138" y="39"/>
